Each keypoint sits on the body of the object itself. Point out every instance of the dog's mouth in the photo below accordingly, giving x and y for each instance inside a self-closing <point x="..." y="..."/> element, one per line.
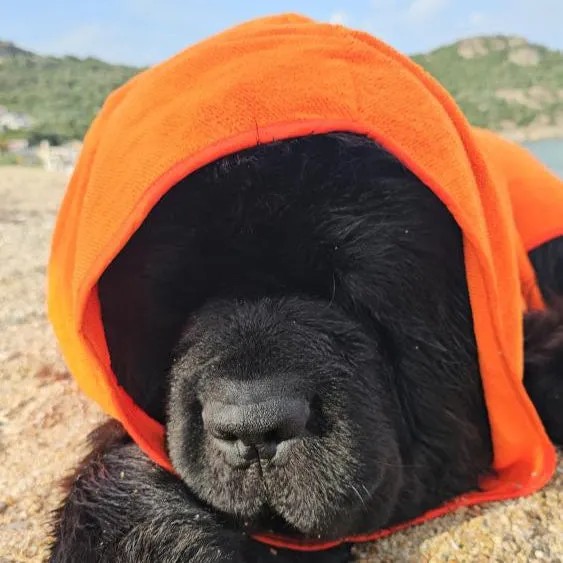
<point x="269" y="522"/>
<point x="265" y="498"/>
<point x="297" y="476"/>
<point x="270" y="518"/>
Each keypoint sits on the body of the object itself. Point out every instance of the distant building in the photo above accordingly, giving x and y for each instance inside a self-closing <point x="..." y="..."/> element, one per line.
<point x="59" y="159"/>
<point x="13" y="121"/>
<point x="27" y="157"/>
<point x="17" y="145"/>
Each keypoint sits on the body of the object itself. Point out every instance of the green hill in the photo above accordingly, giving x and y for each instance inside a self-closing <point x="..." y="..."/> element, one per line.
<point x="500" y="82"/>
<point x="61" y="95"/>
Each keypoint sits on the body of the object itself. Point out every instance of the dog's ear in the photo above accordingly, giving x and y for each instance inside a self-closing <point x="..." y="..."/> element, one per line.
<point x="543" y="366"/>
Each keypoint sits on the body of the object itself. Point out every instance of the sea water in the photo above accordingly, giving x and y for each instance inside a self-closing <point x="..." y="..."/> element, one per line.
<point x="550" y="152"/>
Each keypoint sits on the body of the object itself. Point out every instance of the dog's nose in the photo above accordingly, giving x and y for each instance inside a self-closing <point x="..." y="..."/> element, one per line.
<point x="246" y="432"/>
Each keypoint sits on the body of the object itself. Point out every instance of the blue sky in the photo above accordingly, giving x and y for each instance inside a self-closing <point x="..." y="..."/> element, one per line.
<point x="144" y="32"/>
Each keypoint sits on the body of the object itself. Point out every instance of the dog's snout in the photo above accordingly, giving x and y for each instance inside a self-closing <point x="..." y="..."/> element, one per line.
<point x="257" y="430"/>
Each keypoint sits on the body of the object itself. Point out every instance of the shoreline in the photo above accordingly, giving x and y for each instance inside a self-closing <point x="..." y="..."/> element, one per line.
<point x="529" y="134"/>
<point x="523" y="135"/>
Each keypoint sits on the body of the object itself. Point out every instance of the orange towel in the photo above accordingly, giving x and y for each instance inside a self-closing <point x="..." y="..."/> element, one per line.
<point x="288" y="76"/>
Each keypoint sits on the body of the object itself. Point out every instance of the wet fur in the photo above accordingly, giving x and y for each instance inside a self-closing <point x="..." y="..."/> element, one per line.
<point x="322" y="265"/>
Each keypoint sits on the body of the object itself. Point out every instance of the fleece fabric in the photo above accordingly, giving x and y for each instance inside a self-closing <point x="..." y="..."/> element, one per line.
<point x="287" y="76"/>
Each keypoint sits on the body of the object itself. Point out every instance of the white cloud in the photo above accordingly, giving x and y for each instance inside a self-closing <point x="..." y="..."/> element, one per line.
<point x="420" y="11"/>
<point x="339" y="18"/>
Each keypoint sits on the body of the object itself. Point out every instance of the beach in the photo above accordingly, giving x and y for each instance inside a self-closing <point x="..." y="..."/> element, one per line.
<point x="44" y="419"/>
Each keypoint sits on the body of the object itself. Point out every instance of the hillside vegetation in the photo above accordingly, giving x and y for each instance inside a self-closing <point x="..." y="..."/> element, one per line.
<point x="62" y="94"/>
<point x="500" y="82"/>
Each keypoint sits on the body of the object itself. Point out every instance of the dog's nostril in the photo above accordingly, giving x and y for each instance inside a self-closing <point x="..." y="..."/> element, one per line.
<point x="244" y="432"/>
<point x="223" y="435"/>
<point x="273" y="436"/>
<point x="245" y="452"/>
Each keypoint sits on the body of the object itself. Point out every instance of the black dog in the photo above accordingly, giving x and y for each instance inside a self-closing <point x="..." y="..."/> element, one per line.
<point x="298" y="316"/>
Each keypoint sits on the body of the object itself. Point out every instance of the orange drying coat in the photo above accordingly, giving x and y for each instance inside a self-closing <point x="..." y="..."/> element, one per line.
<point x="283" y="77"/>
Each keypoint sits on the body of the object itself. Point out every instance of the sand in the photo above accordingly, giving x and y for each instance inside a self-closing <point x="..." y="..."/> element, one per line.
<point x="44" y="419"/>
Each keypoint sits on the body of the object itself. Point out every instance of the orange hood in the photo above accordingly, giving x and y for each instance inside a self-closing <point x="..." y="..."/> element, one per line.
<point x="283" y="77"/>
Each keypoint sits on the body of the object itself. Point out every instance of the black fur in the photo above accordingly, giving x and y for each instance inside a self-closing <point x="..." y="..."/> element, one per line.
<point x="319" y="268"/>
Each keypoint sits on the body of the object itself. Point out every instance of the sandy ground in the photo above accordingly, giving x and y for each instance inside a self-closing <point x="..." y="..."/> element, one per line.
<point x="44" y="419"/>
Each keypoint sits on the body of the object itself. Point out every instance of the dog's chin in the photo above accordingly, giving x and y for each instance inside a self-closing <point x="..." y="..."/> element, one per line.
<point x="284" y="501"/>
<point x="272" y="512"/>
